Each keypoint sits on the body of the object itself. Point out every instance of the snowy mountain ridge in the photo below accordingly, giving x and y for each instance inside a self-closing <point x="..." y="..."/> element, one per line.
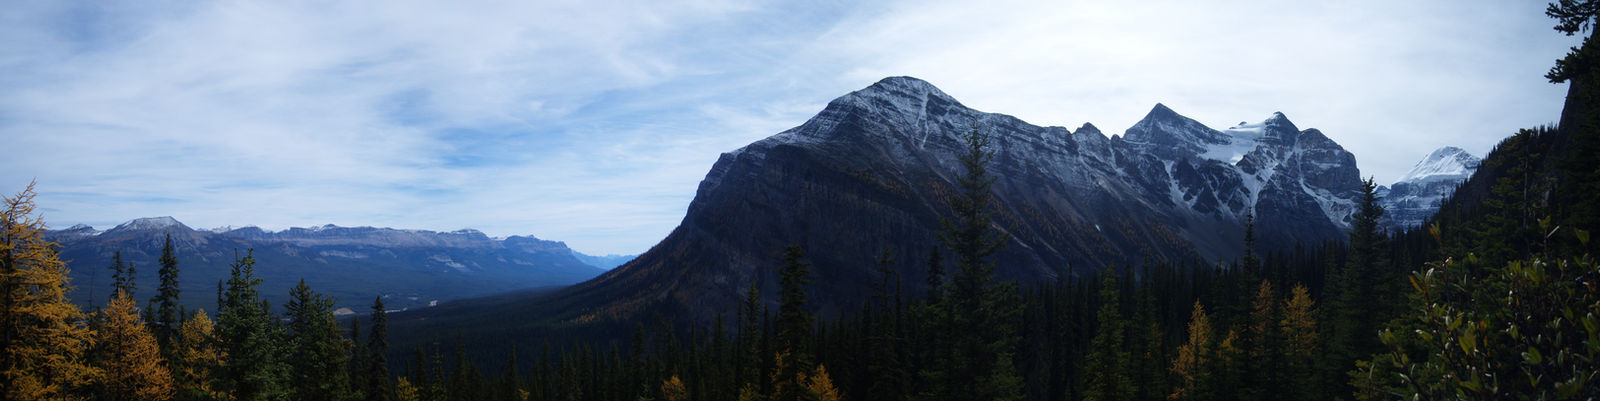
<point x="1416" y="196"/>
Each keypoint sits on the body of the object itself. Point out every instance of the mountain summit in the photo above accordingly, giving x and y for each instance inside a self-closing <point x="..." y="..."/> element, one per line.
<point x="875" y="170"/>
<point x="1416" y="196"/>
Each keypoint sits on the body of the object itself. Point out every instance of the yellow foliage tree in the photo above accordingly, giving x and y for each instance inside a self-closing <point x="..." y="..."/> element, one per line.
<point x="404" y="391"/>
<point x="1299" y="332"/>
<point x="673" y="390"/>
<point x="1193" y="356"/>
<point x="133" y="367"/>
<point x="196" y="358"/>
<point x="42" y="335"/>
<point x="820" y="385"/>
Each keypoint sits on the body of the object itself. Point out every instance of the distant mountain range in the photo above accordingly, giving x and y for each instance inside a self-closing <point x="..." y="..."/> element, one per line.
<point x="1415" y="197"/>
<point x="875" y="170"/>
<point x="409" y="268"/>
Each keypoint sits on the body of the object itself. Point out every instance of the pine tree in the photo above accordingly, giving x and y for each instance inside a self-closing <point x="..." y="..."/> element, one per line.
<point x="167" y="296"/>
<point x="42" y="335"/>
<point x="794" y="327"/>
<point x="1108" y="360"/>
<point x="197" y="359"/>
<point x="379" y="387"/>
<point x="318" y="354"/>
<point x="252" y="338"/>
<point x="131" y="361"/>
<point x="885" y="367"/>
<point x="1362" y="295"/>
<point x="979" y="318"/>
<point x="358" y="361"/>
<point x="794" y="321"/>
<point x="122" y="275"/>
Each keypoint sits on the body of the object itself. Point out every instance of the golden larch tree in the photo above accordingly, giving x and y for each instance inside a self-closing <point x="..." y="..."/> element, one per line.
<point x="196" y="358"/>
<point x="43" y="337"/>
<point x="1193" y="356"/>
<point x="132" y="363"/>
<point x="673" y="389"/>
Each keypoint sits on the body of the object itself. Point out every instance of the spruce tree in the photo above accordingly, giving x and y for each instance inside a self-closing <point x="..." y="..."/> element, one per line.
<point x="1108" y="360"/>
<point x="979" y="317"/>
<point x="318" y="354"/>
<point x="1364" y="293"/>
<point x="167" y="295"/>
<point x="252" y="337"/>
<point x="794" y="327"/>
<point x="122" y="276"/>
<point x="379" y="387"/>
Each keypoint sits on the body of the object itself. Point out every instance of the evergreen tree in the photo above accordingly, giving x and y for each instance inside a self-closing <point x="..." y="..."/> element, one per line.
<point x="1360" y="301"/>
<point x="122" y="275"/>
<point x="794" y="321"/>
<point x="42" y="335"/>
<point x="197" y="359"/>
<point x="794" y="327"/>
<point x="935" y="276"/>
<point x="979" y="317"/>
<point x="167" y="296"/>
<point x="358" y="361"/>
<point x="318" y="354"/>
<point x="377" y="370"/>
<point x="132" y="366"/>
<point x="1108" y="360"/>
<point x="885" y="366"/>
<point x="252" y="337"/>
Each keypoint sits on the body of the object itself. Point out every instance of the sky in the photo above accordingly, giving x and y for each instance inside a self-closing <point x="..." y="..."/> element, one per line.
<point x="592" y="122"/>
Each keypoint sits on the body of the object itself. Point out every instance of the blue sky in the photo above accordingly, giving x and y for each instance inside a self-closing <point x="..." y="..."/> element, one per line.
<point x="592" y="122"/>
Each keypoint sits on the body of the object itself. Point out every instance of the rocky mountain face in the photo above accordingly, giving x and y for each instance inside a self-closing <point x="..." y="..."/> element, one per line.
<point x="875" y="170"/>
<point x="1415" y="197"/>
<point x="409" y="268"/>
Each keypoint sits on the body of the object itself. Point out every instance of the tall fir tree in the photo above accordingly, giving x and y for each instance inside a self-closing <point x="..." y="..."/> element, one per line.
<point x="794" y="326"/>
<point x="1362" y="299"/>
<point x="167" y="296"/>
<point x="250" y="333"/>
<point x="318" y="353"/>
<point x="1108" y="359"/>
<point x="379" y="385"/>
<point x="43" y="336"/>
<point x="131" y="362"/>
<point x="122" y="275"/>
<point x="979" y="317"/>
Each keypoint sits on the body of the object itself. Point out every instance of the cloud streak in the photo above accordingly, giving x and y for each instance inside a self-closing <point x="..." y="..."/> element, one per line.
<point x="592" y="122"/>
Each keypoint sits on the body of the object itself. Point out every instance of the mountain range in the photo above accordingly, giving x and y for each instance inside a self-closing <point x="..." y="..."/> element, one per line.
<point x="408" y="268"/>
<point x="875" y="170"/>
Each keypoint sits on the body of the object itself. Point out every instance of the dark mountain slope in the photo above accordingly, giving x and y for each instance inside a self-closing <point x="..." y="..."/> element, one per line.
<point x="874" y="170"/>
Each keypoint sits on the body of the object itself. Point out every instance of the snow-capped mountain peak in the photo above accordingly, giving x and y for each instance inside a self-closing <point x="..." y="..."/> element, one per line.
<point x="1445" y="164"/>
<point x="1416" y="196"/>
<point x="150" y="223"/>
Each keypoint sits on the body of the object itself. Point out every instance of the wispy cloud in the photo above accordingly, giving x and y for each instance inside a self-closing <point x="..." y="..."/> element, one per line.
<point x="592" y="122"/>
